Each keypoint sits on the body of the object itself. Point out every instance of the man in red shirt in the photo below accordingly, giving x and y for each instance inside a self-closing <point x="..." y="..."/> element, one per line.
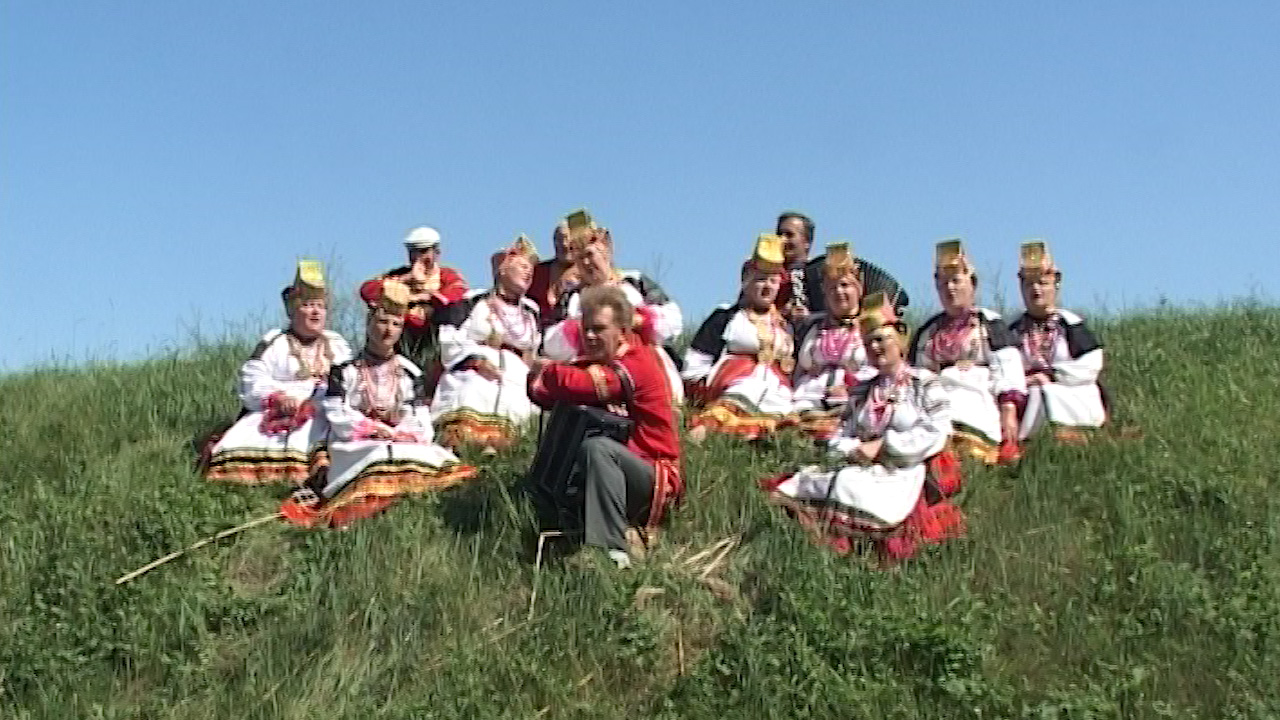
<point x="624" y="485"/>
<point x="431" y="287"/>
<point x="552" y="275"/>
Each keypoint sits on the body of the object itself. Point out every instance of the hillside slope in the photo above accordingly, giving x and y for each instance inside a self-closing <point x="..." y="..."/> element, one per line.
<point x="1135" y="578"/>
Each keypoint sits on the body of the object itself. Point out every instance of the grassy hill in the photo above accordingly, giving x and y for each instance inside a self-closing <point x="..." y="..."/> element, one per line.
<point x="1135" y="578"/>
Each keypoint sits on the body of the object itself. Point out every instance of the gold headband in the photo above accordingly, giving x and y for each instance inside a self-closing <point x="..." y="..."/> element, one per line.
<point x="950" y="258"/>
<point x="840" y="262"/>
<point x="1034" y="259"/>
<point x="308" y="283"/>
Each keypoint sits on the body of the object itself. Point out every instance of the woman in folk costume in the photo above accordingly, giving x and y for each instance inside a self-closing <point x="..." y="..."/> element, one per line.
<point x="380" y="442"/>
<point x="486" y="344"/>
<point x="829" y="356"/>
<point x="281" y="385"/>
<point x="895" y="470"/>
<point x="738" y="366"/>
<point x="977" y="360"/>
<point x="1061" y="356"/>
<point x="658" y="318"/>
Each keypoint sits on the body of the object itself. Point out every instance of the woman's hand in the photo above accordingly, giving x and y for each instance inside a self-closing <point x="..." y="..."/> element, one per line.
<point x="1039" y="378"/>
<point x="486" y="370"/>
<point x="287" y="405"/>
<point x="837" y="394"/>
<point x="867" y="451"/>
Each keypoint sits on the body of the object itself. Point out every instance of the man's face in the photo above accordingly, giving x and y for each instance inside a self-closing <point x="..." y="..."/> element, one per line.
<point x="560" y="239"/>
<point x="601" y="335"/>
<point x="426" y="257"/>
<point x="796" y="240"/>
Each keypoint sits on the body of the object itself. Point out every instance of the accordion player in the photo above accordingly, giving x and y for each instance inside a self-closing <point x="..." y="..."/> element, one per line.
<point x="556" y="473"/>
<point x="601" y="470"/>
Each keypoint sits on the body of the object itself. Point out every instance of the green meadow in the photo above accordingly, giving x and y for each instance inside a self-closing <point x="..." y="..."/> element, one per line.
<point x="1136" y="578"/>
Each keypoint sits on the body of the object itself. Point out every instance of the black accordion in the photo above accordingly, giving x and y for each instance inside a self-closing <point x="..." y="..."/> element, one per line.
<point x="555" y="477"/>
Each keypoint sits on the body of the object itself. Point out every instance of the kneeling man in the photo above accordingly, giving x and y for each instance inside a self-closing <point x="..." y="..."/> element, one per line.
<point x="624" y="485"/>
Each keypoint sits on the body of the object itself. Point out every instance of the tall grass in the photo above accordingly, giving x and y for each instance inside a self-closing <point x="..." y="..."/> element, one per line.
<point x="1135" y="578"/>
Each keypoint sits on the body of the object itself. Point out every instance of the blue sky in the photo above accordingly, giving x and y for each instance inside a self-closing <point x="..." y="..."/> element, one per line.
<point x="162" y="165"/>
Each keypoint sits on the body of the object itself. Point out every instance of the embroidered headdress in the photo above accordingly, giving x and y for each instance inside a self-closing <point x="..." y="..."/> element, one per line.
<point x="877" y="312"/>
<point x="1034" y="260"/>
<point x="584" y="232"/>
<point x="766" y="257"/>
<point x="308" y="284"/>
<point x="522" y="247"/>
<point x="393" y="298"/>
<point x="951" y="259"/>
<point x="840" y="261"/>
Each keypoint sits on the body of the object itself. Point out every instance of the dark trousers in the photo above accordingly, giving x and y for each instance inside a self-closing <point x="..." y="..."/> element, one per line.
<point x="617" y="489"/>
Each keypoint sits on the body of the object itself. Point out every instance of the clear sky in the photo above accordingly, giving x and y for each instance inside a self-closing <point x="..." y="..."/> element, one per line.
<point x="162" y="164"/>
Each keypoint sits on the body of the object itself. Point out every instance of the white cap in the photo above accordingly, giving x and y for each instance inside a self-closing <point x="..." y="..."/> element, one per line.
<point x="421" y="238"/>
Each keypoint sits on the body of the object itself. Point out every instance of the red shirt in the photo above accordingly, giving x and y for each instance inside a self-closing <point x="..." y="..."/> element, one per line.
<point x="656" y="434"/>
<point x="452" y="288"/>
<point x="546" y="275"/>
<point x="655" y="437"/>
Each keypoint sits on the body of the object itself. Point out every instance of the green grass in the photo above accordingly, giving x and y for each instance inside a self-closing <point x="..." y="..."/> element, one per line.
<point x="1131" y="579"/>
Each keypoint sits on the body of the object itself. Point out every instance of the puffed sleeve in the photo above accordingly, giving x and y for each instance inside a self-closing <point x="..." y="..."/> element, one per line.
<point x="457" y="341"/>
<point x="1004" y="357"/>
<point x="668" y="320"/>
<point x="928" y="436"/>
<point x="415" y="415"/>
<point x="258" y="374"/>
<point x="706" y="346"/>
<point x="340" y="348"/>
<point x="1083" y="370"/>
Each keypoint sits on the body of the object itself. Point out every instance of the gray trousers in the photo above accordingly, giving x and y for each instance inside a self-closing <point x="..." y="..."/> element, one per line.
<point x="617" y="489"/>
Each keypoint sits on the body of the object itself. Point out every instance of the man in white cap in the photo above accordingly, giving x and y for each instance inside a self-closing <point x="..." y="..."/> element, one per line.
<point x="431" y="287"/>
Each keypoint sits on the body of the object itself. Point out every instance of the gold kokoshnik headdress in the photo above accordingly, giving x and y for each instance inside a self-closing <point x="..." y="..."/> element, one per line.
<point x="393" y="298"/>
<point x="308" y="284"/>
<point x="766" y="257"/>
<point x="877" y="312"/>
<point x="951" y="259"/>
<point x="1034" y="260"/>
<point x="840" y="261"/>
<point x="522" y="247"/>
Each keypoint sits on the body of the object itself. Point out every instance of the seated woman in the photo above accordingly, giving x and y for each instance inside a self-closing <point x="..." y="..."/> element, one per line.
<point x="280" y="388"/>
<point x="894" y="470"/>
<point x="738" y="367"/>
<point x="658" y="317"/>
<point x="829" y="354"/>
<point x="486" y="344"/>
<point x="1061" y="356"/>
<point x="380" y="431"/>
<point x="977" y="360"/>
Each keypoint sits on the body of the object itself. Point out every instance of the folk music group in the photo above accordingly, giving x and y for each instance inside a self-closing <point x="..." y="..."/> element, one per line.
<point x="813" y="346"/>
